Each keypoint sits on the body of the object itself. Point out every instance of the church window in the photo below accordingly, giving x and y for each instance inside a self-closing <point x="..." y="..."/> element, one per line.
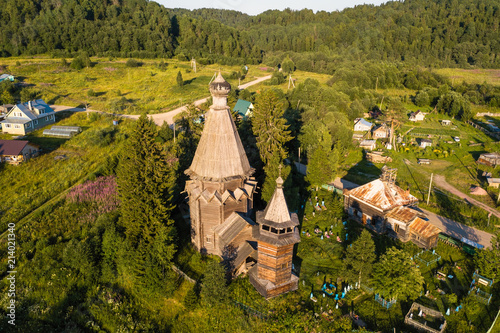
<point x="265" y="227"/>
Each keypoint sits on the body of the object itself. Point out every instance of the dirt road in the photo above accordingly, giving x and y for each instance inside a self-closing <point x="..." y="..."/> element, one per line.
<point x="458" y="230"/>
<point x="441" y="182"/>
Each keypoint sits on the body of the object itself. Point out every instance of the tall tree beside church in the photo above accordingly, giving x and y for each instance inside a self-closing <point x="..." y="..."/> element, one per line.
<point x="322" y="167"/>
<point x="271" y="130"/>
<point x="360" y="257"/>
<point x="145" y="180"/>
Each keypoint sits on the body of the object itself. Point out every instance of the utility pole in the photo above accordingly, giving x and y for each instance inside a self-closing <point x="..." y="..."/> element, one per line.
<point x="498" y="198"/>
<point x="430" y="187"/>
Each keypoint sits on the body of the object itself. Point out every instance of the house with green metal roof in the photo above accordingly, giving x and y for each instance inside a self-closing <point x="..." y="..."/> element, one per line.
<point x="243" y="108"/>
<point x="6" y="77"/>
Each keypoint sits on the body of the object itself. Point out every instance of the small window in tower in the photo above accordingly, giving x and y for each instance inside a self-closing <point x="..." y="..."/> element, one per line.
<point x="265" y="227"/>
<point x="282" y="231"/>
<point x="209" y="239"/>
<point x="274" y="230"/>
<point x="288" y="229"/>
<point x="285" y="265"/>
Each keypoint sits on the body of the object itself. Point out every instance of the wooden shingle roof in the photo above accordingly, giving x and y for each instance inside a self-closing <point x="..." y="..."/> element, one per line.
<point x="276" y="213"/>
<point x="220" y="155"/>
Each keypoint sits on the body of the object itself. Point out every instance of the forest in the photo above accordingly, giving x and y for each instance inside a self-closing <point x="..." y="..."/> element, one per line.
<point x="445" y="33"/>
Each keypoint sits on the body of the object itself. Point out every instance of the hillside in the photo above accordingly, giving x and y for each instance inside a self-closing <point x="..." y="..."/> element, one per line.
<point x="438" y="34"/>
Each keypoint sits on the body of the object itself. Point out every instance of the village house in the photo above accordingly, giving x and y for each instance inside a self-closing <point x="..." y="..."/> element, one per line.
<point x="221" y="191"/>
<point x="381" y="131"/>
<point x="417" y="116"/>
<point x="17" y="151"/>
<point x="243" y="108"/>
<point x="361" y="125"/>
<point x="490" y="159"/>
<point x="27" y="117"/>
<point x="445" y="122"/>
<point x="425" y="143"/>
<point x="384" y="207"/>
<point x="368" y="144"/>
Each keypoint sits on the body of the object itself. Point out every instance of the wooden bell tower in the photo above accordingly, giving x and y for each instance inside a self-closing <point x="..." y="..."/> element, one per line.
<point x="276" y="233"/>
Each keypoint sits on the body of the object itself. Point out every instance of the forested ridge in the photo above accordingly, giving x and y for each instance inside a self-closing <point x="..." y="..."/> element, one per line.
<point x="437" y="33"/>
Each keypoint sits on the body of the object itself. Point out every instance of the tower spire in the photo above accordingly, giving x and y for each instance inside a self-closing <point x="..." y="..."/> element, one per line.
<point x="220" y="154"/>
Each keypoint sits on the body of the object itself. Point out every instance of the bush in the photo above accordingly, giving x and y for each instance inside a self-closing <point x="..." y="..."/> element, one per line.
<point x="132" y="63"/>
<point x="91" y="93"/>
<point x="77" y="64"/>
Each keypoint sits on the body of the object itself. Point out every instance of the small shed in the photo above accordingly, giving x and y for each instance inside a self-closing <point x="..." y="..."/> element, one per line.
<point x="446" y="122"/>
<point x="490" y="159"/>
<point x="361" y="125"/>
<point x="243" y="108"/>
<point x="376" y="157"/>
<point x="425" y="143"/>
<point x="368" y="144"/>
<point x="424" y="161"/>
<point x="493" y="182"/>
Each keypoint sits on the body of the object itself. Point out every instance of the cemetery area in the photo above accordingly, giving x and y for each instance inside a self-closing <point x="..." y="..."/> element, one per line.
<point x="325" y="234"/>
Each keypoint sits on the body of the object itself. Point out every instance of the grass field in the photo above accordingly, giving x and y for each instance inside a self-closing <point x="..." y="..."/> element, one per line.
<point x="111" y="86"/>
<point x="474" y="76"/>
<point x="40" y="179"/>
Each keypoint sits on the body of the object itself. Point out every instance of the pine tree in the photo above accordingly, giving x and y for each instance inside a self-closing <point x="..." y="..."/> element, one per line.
<point x="269" y="125"/>
<point x="360" y="258"/>
<point x="271" y="131"/>
<point x="322" y="167"/>
<point x="145" y="181"/>
<point x="180" y="80"/>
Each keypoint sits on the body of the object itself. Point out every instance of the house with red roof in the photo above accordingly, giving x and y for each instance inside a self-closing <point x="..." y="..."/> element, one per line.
<point x="17" y="151"/>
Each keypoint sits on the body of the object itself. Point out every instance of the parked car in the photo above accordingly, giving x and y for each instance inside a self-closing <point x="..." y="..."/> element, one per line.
<point x="457" y="139"/>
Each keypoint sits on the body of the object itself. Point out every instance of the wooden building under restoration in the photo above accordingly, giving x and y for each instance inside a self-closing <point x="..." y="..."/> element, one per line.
<point x="384" y="207"/>
<point x="276" y="233"/>
<point x="221" y="192"/>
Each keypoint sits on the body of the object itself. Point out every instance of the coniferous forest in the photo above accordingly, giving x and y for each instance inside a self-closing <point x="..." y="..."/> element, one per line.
<point x="444" y="33"/>
<point x="99" y="220"/>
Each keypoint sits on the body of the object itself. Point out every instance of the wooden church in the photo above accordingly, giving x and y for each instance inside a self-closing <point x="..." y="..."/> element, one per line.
<point x="221" y="191"/>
